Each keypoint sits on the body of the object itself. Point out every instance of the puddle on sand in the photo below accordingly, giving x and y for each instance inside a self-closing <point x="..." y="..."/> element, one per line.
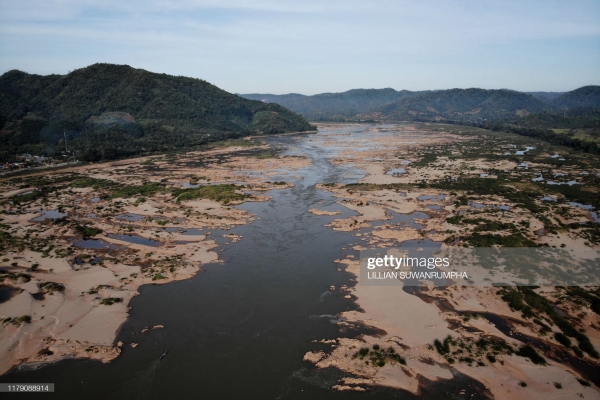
<point x="130" y="217"/>
<point x="8" y="292"/>
<point x="185" y="231"/>
<point x="136" y="240"/>
<point x="396" y="171"/>
<point x="50" y="214"/>
<point x="97" y="244"/>
<point x="424" y="197"/>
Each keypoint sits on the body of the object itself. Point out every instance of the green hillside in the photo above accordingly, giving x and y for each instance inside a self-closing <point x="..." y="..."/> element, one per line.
<point x="335" y="106"/>
<point x="586" y="96"/>
<point x="460" y="105"/>
<point x="111" y="111"/>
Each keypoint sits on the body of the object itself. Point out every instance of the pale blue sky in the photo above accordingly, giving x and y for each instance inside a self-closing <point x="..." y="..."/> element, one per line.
<point x="314" y="46"/>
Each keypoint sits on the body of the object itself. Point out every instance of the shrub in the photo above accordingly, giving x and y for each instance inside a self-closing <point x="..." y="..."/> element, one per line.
<point x="529" y="352"/>
<point x="562" y="339"/>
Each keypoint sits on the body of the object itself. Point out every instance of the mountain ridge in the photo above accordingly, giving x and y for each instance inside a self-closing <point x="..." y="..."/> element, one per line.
<point x="493" y="104"/>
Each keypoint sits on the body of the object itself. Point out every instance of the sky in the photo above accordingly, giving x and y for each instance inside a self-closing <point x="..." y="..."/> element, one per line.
<point x="314" y="46"/>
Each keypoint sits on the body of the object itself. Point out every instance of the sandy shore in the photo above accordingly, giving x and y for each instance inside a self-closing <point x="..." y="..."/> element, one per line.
<point x="409" y="324"/>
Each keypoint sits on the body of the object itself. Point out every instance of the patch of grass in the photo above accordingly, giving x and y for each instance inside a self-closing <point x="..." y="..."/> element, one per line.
<point x="87" y="231"/>
<point x="109" y="301"/>
<point x="148" y="189"/>
<point x="25" y="319"/>
<point x="93" y="183"/>
<point x="51" y="287"/>
<point x="222" y="193"/>
<point x="158" y="276"/>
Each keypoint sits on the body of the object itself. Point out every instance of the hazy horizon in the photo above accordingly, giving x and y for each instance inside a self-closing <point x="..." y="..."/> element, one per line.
<point x="312" y="47"/>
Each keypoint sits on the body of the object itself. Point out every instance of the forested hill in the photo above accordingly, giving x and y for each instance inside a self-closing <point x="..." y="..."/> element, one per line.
<point x="111" y="110"/>
<point x="466" y="105"/>
<point x="334" y="106"/>
<point x="460" y="105"/>
<point x="586" y="96"/>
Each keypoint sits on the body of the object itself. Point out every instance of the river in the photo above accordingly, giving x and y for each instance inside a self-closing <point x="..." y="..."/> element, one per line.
<point x="240" y="329"/>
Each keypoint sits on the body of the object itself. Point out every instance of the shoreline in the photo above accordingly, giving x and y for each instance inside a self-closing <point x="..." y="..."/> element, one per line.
<point x="410" y="324"/>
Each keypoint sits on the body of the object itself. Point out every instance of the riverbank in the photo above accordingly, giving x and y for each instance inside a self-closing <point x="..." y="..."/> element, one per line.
<point x="78" y="244"/>
<point x="395" y="209"/>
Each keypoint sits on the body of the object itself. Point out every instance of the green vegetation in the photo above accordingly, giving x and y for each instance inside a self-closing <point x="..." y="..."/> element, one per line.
<point x="51" y="287"/>
<point x="87" y="231"/>
<point x="25" y="319"/>
<point x="112" y="111"/>
<point x="93" y="183"/>
<point x="562" y="339"/>
<point x="530" y="303"/>
<point x="529" y="352"/>
<point x="591" y="296"/>
<point x="14" y="276"/>
<point x="109" y="301"/>
<point x="158" y="276"/>
<point x="527" y="114"/>
<point x="379" y="356"/>
<point x="468" y="351"/>
<point x="222" y="193"/>
<point x="492" y="239"/>
<point x="334" y="106"/>
<point x="147" y="189"/>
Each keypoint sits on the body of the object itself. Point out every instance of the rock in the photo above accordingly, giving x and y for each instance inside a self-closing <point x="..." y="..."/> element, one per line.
<point x="314" y="357"/>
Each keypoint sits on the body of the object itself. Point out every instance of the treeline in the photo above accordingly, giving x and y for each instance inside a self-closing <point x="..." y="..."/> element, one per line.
<point x="542" y="134"/>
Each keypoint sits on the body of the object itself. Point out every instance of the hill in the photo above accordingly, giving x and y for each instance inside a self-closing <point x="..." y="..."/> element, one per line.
<point x="110" y="111"/>
<point x="334" y="106"/>
<point x="546" y="97"/>
<point x="586" y="96"/>
<point x="460" y="105"/>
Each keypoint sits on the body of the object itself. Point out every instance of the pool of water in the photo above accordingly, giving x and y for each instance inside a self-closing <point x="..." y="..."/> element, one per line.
<point x="136" y="240"/>
<point x="428" y="197"/>
<point x="186" y="231"/>
<point x="396" y="171"/>
<point x="97" y="244"/>
<point x="187" y="185"/>
<point x="50" y="214"/>
<point x="522" y="152"/>
<point x="130" y="217"/>
<point x="8" y="292"/>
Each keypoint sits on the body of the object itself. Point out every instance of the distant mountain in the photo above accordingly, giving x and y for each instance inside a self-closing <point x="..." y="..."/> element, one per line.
<point x="435" y="105"/>
<point x="586" y="96"/>
<point x="334" y="106"/>
<point x="546" y="97"/>
<point x="460" y="105"/>
<point x="116" y="110"/>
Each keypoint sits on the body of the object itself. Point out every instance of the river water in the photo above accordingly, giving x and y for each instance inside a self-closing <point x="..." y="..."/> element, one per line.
<point x="240" y="329"/>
